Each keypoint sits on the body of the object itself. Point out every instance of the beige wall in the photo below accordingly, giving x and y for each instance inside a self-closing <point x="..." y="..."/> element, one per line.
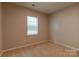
<point x="0" y="28"/>
<point x="14" y="26"/>
<point x="64" y="26"/>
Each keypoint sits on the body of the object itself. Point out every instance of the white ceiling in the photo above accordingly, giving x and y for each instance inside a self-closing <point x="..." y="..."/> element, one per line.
<point x="46" y="7"/>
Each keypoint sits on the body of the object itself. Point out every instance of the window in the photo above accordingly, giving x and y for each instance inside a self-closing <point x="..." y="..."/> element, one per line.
<point x="32" y="25"/>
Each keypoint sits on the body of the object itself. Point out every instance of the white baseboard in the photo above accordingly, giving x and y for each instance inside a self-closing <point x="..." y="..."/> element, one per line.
<point x="67" y="46"/>
<point x="24" y="46"/>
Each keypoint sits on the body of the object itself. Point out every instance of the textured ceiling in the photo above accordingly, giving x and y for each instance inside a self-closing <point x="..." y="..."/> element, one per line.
<point x="45" y="7"/>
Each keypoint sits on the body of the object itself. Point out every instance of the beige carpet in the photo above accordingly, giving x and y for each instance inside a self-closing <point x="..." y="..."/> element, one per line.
<point x="42" y="50"/>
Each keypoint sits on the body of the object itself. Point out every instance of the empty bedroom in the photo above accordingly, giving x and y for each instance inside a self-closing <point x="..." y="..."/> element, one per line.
<point x="39" y="29"/>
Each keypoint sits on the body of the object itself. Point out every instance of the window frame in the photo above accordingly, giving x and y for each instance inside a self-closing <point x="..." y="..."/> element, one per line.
<point x="27" y="26"/>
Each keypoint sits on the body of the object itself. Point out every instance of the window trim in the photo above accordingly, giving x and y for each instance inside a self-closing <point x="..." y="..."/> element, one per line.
<point x="27" y="26"/>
